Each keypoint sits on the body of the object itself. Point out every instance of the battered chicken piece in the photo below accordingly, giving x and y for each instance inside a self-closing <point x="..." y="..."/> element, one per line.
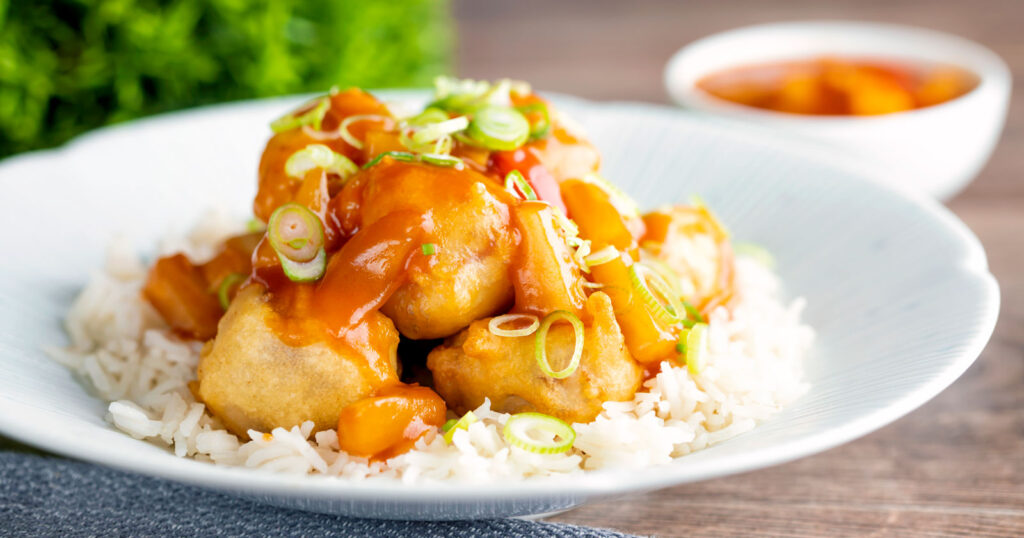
<point x="477" y="364"/>
<point x="467" y="277"/>
<point x="251" y="379"/>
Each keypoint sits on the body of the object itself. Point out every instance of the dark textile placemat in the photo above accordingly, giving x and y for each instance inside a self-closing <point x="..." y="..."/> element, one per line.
<point x="47" y="496"/>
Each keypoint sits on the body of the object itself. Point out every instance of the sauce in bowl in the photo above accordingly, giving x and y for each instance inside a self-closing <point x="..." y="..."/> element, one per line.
<point x="833" y="86"/>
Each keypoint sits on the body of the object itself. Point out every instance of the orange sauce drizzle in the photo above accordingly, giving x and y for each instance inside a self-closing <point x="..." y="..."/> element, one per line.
<point x="832" y="86"/>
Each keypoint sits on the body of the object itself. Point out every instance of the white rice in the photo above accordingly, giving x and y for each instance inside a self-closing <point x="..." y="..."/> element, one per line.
<point x="129" y="357"/>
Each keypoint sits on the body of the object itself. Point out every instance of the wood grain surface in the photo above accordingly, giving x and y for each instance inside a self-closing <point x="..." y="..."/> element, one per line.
<point x="954" y="467"/>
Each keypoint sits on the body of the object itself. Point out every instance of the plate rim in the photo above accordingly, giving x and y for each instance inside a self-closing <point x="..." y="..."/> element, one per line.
<point x="973" y="264"/>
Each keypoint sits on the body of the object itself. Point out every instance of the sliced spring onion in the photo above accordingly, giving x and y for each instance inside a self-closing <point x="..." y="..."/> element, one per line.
<point x="448" y="424"/>
<point x="460" y="424"/>
<point x="442" y="160"/>
<point x="348" y="137"/>
<point x="693" y="313"/>
<point x="405" y="138"/>
<point x="696" y="352"/>
<point x="428" y="116"/>
<point x="646" y="283"/>
<point x="517" y="185"/>
<point x="319" y="156"/>
<point x="451" y="86"/>
<point x="498" y="128"/>
<point x="225" y="288"/>
<point x="396" y="155"/>
<point x="433" y="131"/>
<point x="602" y="256"/>
<point x="295" y="232"/>
<point x="540" y="351"/>
<point x="428" y="249"/>
<point x="664" y="271"/>
<point x="569" y="228"/>
<point x="305" y="271"/>
<point x="496" y="322"/>
<point x="522" y="429"/>
<point x="429" y="158"/>
<point x="582" y="251"/>
<point x="311" y="113"/>
<point x="540" y="128"/>
<point x="443" y="145"/>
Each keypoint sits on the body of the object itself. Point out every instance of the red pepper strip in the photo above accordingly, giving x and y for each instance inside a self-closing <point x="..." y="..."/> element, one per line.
<point x="537" y="175"/>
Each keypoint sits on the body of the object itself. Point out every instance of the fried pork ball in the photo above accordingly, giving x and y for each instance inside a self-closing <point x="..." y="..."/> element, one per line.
<point x="477" y="364"/>
<point x="467" y="277"/>
<point x="251" y="379"/>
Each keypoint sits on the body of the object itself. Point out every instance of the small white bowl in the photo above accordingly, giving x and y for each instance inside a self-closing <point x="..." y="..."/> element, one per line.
<point x="936" y="150"/>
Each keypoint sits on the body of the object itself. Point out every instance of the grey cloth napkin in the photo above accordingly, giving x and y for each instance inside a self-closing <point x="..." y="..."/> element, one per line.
<point x="47" y="496"/>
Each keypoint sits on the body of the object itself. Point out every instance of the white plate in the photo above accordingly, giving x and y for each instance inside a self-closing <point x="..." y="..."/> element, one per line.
<point x="898" y="290"/>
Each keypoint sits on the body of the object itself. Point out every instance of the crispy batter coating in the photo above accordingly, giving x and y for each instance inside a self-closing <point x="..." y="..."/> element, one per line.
<point x="467" y="277"/>
<point x="477" y="364"/>
<point x="251" y="379"/>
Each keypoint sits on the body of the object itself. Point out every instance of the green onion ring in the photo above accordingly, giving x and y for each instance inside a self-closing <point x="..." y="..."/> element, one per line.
<point x="580" y="255"/>
<point x="603" y="256"/>
<point x="496" y="322"/>
<point x="428" y="116"/>
<point x="433" y="131"/>
<point x="310" y="113"/>
<point x="305" y="271"/>
<point x="664" y="271"/>
<point x="403" y="156"/>
<point x="541" y="128"/>
<point x="643" y="279"/>
<point x="428" y="249"/>
<point x="225" y="287"/>
<point x="442" y="160"/>
<point x="518" y="426"/>
<point x="319" y="156"/>
<point x="540" y="352"/>
<point x="696" y="348"/>
<point x="498" y="128"/>
<point x="443" y="145"/>
<point x="568" y="226"/>
<point x="295" y="233"/>
<point x="693" y="312"/>
<point x="517" y="185"/>
<point x="453" y="425"/>
<point x="347" y="136"/>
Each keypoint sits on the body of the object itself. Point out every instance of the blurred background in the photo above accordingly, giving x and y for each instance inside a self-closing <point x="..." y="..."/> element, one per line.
<point x="955" y="466"/>
<point x="67" y="66"/>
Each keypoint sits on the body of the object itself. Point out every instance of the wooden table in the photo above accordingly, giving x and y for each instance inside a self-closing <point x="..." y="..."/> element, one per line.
<point x="955" y="467"/>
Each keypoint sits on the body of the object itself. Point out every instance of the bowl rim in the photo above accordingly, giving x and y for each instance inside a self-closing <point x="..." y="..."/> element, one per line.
<point x="992" y="71"/>
<point x="16" y="423"/>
